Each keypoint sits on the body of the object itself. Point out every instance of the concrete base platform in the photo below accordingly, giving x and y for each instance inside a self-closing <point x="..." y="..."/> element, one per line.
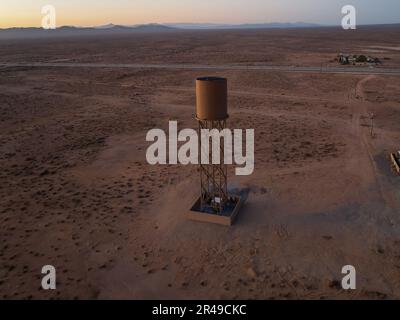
<point x="226" y="219"/>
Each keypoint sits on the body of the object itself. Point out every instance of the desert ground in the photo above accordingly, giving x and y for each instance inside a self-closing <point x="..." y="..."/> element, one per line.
<point x="76" y="191"/>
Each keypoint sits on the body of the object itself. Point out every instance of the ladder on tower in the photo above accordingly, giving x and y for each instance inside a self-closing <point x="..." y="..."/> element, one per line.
<point x="395" y="163"/>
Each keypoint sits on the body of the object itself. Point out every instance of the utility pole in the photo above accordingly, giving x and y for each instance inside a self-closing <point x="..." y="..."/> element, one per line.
<point x="372" y="123"/>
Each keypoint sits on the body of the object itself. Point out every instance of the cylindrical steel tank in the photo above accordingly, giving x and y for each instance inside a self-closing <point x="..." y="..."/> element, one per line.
<point x="211" y="98"/>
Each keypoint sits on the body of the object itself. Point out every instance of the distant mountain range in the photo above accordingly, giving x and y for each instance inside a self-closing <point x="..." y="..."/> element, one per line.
<point x="80" y="31"/>
<point x="19" y="33"/>
<point x="152" y="27"/>
<point x="279" y="25"/>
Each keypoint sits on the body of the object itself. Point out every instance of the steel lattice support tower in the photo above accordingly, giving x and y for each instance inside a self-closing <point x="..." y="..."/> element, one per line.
<point x="213" y="177"/>
<point x="211" y="105"/>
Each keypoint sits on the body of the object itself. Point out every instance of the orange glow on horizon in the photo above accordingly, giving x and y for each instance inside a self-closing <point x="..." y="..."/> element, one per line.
<point x="27" y="13"/>
<point x="93" y="14"/>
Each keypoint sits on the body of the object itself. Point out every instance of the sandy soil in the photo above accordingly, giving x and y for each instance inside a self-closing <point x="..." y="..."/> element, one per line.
<point x="76" y="191"/>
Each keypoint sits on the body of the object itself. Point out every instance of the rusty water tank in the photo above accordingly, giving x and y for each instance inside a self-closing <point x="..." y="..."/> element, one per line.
<point x="211" y="98"/>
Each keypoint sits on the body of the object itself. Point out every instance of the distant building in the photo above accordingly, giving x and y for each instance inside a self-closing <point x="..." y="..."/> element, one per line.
<point x="353" y="59"/>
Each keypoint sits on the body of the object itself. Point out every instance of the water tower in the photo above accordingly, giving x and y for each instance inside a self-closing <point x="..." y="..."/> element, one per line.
<point x="215" y="204"/>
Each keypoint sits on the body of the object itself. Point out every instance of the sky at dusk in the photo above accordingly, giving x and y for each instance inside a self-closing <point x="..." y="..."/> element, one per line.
<point x="24" y="13"/>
